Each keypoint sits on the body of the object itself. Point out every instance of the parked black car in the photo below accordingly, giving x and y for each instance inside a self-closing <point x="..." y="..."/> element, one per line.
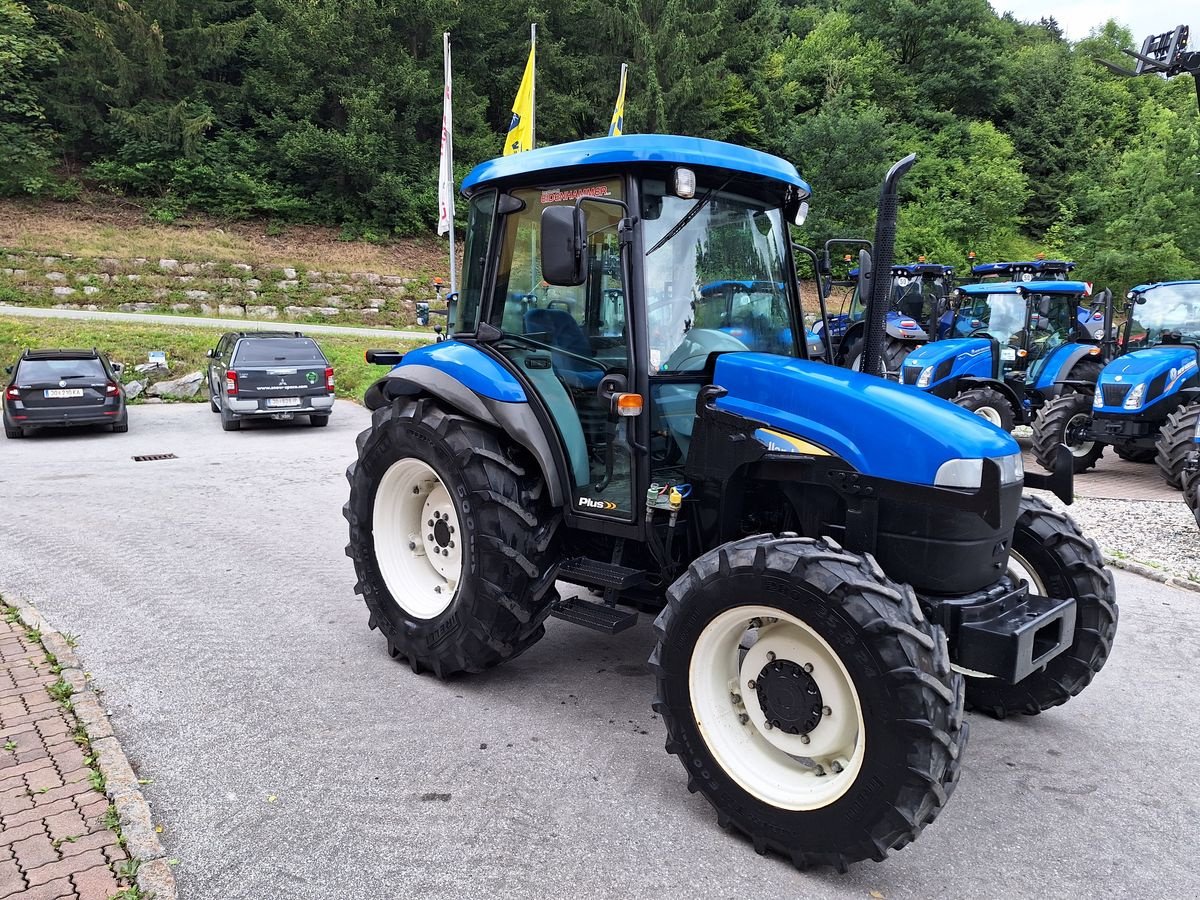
<point x="273" y="374"/>
<point x="58" y="388"/>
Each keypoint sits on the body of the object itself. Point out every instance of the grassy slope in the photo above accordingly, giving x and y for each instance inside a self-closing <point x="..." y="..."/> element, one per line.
<point x="185" y="347"/>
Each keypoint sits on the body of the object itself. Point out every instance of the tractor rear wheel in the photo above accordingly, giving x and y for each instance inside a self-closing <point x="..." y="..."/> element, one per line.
<point x="1057" y="423"/>
<point x="1191" y="493"/>
<point x="452" y="537"/>
<point x="1052" y="555"/>
<point x="1087" y="369"/>
<point x="809" y="699"/>
<point x="989" y="404"/>
<point x="894" y="354"/>
<point x="1176" y="440"/>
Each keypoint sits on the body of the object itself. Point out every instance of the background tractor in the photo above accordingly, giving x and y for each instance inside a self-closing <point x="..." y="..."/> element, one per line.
<point x="839" y="565"/>
<point x="1090" y="317"/>
<point x="1146" y="403"/>
<point x="1006" y="348"/>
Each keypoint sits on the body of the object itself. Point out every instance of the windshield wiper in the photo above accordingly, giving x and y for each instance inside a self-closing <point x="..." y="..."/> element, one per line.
<point x="689" y="215"/>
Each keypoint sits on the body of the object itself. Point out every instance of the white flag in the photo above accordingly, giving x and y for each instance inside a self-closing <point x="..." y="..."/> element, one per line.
<point x="446" y="166"/>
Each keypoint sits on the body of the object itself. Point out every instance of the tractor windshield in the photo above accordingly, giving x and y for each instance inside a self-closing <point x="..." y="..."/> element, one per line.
<point x="1167" y="314"/>
<point x="716" y="276"/>
<point x="917" y="296"/>
<point x="1001" y="316"/>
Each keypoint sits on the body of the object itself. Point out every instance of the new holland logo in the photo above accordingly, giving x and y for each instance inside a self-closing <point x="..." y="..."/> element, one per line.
<point x="589" y="503"/>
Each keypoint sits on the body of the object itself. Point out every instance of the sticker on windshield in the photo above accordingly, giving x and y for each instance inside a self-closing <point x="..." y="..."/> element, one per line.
<point x="902" y="281"/>
<point x="595" y="190"/>
<point x="1008" y="354"/>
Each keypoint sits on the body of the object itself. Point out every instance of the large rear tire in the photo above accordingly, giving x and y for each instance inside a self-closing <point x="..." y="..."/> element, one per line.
<point x="473" y="589"/>
<point x="1056" y="424"/>
<point x="989" y="404"/>
<point x="1051" y="553"/>
<point x="1176" y="440"/>
<point x="809" y="699"/>
<point x="228" y="422"/>
<point x="1191" y="493"/>
<point x="894" y="354"/>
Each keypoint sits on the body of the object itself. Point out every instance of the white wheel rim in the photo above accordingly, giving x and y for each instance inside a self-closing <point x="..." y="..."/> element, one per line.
<point x="990" y="414"/>
<point x="420" y="562"/>
<point x="1082" y="448"/>
<point x="776" y="767"/>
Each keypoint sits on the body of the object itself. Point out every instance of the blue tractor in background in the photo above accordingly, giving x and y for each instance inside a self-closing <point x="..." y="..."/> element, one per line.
<point x="1090" y="317"/>
<point x="1007" y="348"/>
<point x="916" y="294"/>
<point x="839" y="565"/>
<point x="1146" y="403"/>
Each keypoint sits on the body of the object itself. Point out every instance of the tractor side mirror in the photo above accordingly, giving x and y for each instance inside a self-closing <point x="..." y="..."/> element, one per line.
<point x="564" y="246"/>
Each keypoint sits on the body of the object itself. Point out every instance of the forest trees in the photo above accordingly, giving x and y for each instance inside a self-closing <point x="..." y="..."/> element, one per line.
<point x="329" y="111"/>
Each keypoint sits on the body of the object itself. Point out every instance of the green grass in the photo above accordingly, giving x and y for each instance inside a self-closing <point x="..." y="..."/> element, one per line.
<point x="185" y="347"/>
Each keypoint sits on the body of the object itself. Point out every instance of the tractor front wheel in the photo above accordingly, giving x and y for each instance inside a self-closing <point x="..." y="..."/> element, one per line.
<point x="452" y="537"/>
<point x="1176" y="440"/>
<point x="1052" y="555"/>
<point x="809" y="699"/>
<point x="1061" y="421"/>
<point x="1135" y="454"/>
<point x="989" y="404"/>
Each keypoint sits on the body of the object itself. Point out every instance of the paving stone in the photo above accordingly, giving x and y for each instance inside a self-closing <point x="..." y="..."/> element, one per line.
<point x="58" y="889"/>
<point x="14" y="802"/>
<point x="11" y="881"/>
<point x="96" y="840"/>
<point x="47" y="778"/>
<point x="96" y="883"/>
<point x="66" y="824"/>
<point x="34" y="851"/>
<point x="65" y="867"/>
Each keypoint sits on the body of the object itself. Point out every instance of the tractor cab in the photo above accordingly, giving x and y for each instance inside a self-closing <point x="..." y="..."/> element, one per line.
<point x="747" y="310"/>
<point x="1146" y="402"/>
<point x="1006" y="347"/>
<point x="1090" y="317"/>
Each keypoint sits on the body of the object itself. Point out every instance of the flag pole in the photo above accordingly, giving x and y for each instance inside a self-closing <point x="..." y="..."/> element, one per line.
<point x="533" y="92"/>
<point x="450" y="156"/>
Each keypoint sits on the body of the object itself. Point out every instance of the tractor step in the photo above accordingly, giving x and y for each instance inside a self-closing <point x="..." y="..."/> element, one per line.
<point x="596" y="616"/>
<point x="581" y="570"/>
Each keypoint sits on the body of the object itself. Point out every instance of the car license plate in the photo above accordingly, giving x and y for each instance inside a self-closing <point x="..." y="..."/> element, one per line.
<point x="284" y="401"/>
<point x="64" y="392"/>
<point x="1008" y="353"/>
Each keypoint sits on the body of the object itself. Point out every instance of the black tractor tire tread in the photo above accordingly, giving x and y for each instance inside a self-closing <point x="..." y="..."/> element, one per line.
<point x="1175" y="441"/>
<point x="976" y="398"/>
<point x="1191" y="494"/>
<point x="910" y="646"/>
<point x="513" y="583"/>
<point x="1091" y="584"/>
<point x="1135" y="454"/>
<point x="1050" y="426"/>
<point x="1087" y="369"/>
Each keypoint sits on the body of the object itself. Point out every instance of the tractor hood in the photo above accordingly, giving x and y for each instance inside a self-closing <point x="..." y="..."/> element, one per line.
<point x="952" y="358"/>
<point x="1160" y="370"/>
<point x="879" y="427"/>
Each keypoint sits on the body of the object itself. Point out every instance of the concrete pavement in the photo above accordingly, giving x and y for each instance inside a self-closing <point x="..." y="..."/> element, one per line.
<point x="288" y="756"/>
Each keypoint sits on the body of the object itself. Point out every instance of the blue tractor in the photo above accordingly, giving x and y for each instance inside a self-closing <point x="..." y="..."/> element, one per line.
<point x="1146" y="403"/>
<point x="747" y="310"/>
<point x="838" y="565"/>
<point x="1006" y="348"/>
<point x="916" y="293"/>
<point x="1090" y="317"/>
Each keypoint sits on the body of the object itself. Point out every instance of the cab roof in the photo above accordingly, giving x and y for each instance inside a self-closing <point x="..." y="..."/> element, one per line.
<point x="629" y="149"/>
<point x="1032" y="287"/>
<point x="1142" y="288"/>
<point x="1031" y="265"/>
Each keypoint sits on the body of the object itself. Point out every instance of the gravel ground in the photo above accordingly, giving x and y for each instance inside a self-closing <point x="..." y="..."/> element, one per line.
<point x="287" y="756"/>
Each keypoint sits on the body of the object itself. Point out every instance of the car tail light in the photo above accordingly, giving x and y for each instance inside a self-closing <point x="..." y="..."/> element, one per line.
<point x="12" y="393"/>
<point x="111" y="389"/>
<point x="329" y="378"/>
<point x="231" y="383"/>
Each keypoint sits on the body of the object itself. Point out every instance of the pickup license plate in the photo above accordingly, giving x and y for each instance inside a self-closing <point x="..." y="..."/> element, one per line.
<point x="64" y="392"/>
<point x="283" y="401"/>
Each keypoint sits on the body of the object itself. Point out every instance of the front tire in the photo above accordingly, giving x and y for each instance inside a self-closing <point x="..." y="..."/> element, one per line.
<point x="318" y="421"/>
<point x="989" y="404"/>
<point x="1056" y="423"/>
<point x="485" y="599"/>
<point x="1176" y="440"/>
<point x="809" y="699"/>
<point x="1052" y="554"/>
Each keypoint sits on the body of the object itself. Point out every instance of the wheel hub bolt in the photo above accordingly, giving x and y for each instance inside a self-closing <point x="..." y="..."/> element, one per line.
<point x="431" y="537"/>
<point x="808" y="667"/>
<point x="767" y="726"/>
<point x="836" y="766"/>
<point x="752" y="684"/>
<point x="437" y="589"/>
<point x="452" y="545"/>
<point x="743" y="718"/>
<point x="756" y="623"/>
<point x="770" y="656"/>
<point x="416" y="490"/>
<point x="826" y="711"/>
<point x="820" y="771"/>
<point x="735" y="699"/>
<point x="412" y="545"/>
<point x="804" y="738"/>
<point x="452" y="529"/>
<point x="445" y="553"/>
<point x="430" y="523"/>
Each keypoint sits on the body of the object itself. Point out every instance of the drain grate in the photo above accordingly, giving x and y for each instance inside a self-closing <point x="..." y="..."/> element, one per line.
<point x="154" y="457"/>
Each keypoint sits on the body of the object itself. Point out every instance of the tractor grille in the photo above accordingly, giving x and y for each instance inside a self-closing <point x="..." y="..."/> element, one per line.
<point x="1114" y="394"/>
<point x="911" y="374"/>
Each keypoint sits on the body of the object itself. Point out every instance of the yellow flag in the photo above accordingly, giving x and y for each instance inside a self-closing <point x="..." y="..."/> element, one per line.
<point x="617" y="126"/>
<point x="520" y="130"/>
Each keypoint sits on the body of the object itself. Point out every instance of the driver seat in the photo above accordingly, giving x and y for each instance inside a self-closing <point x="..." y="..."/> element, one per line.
<point x="563" y="331"/>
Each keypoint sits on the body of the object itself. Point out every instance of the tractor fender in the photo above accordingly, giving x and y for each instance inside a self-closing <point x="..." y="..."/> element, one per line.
<point x="969" y="381"/>
<point x="515" y="417"/>
<point x="896" y="328"/>
<point x="1062" y="360"/>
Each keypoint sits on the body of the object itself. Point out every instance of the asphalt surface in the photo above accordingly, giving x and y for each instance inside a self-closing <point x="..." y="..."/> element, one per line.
<point x="39" y="312"/>
<point x="287" y="756"/>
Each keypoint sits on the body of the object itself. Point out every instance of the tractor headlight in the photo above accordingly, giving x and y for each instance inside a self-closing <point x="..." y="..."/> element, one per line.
<point x="1097" y="398"/>
<point x="1099" y="334"/>
<point x="1134" y="400"/>
<point x="925" y="377"/>
<point x="968" y="473"/>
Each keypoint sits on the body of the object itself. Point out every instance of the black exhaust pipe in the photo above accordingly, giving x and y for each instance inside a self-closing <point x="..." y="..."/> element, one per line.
<point x="881" y="282"/>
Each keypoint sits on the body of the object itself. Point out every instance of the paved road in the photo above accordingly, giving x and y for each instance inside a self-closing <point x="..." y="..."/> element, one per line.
<point x="214" y="607"/>
<point x="39" y="312"/>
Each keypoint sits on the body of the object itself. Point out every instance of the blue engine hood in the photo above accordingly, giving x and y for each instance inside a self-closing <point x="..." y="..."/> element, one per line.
<point x="1176" y="365"/>
<point x="879" y="427"/>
